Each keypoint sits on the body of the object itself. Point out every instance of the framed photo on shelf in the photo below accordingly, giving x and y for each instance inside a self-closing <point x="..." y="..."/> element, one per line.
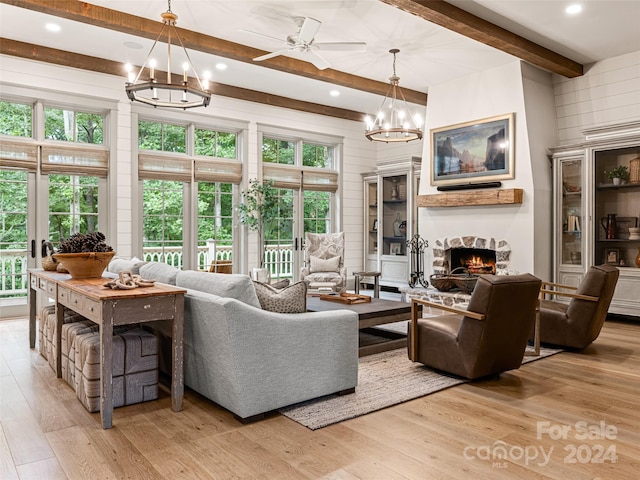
<point x="623" y="224"/>
<point x="395" y="248"/>
<point x="473" y="152"/>
<point x="612" y="256"/>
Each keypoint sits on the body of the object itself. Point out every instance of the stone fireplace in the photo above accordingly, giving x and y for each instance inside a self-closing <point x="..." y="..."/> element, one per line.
<point x="471" y="254"/>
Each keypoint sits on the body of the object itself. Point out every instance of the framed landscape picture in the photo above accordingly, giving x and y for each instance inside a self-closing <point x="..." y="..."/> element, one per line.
<point x="473" y="152"/>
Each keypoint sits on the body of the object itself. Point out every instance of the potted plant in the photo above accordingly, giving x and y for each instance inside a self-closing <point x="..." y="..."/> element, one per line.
<point x="84" y="255"/>
<point x="618" y="175"/>
<point x="259" y="206"/>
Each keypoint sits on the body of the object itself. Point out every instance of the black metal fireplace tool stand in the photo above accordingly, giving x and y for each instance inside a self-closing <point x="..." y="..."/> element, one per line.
<point x="416" y="247"/>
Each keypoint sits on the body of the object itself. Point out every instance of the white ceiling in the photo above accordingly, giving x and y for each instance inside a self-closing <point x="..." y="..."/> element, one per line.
<point x="429" y="54"/>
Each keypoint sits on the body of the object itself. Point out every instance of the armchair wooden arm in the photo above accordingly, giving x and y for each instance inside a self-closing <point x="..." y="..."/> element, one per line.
<point x="545" y="290"/>
<point x="558" y="285"/>
<point x="589" y="298"/>
<point x="416" y="309"/>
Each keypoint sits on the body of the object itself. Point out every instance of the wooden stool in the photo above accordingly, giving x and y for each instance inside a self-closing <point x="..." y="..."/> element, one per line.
<point x="376" y="282"/>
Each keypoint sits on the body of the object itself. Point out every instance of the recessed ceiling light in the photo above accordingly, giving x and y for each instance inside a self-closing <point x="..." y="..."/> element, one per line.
<point x="221" y="66"/>
<point x="573" y="9"/>
<point x="334" y="93"/>
<point x="52" y="27"/>
<point x="134" y="45"/>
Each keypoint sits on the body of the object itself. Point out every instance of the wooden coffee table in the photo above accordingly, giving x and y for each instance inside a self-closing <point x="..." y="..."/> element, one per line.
<point x="371" y="314"/>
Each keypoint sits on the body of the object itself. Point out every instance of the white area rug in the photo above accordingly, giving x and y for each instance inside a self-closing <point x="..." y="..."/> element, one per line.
<point x="384" y="379"/>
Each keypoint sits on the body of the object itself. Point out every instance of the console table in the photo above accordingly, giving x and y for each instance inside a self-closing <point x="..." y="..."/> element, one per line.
<point x="109" y="308"/>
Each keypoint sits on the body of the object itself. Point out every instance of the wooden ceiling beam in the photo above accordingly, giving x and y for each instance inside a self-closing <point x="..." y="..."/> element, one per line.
<point x="462" y="22"/>
<point x="94" y="64"/>
<point x="118" y="21"/>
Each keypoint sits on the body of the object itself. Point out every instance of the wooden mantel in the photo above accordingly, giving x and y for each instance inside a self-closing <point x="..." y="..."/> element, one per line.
<point x="502" y="196"/>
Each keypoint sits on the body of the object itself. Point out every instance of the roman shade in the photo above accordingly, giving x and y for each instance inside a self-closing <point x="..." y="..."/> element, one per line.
<point x="289" y="176"/>
<point x="76" y="159"/>
<point x="19" y="154"/>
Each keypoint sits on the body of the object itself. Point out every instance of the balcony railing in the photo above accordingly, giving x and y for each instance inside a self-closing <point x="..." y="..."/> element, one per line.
<point x="13" y="263"/>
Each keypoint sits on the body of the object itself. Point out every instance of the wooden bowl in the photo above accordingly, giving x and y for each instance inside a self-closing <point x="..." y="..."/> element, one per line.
<point x="84" y="265"/>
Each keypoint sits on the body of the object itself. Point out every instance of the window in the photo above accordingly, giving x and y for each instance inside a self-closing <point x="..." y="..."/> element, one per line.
<point x="306" y="176"/>
<point x="162" y="221"/>
<point x="215" y="222"/>
<point x="13" y="235"/>
<point x="167" y="171"/>
<point x="162" y="136"/>
<point x="16" y="119"/>
<point x="278" y="151"/>
<point x="73" y="205"/>
<point x="210" y="143"/>
<point x="72" y="126"/>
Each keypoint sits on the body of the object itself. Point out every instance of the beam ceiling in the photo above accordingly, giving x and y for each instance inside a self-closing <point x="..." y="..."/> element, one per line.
<point x="462" y="22"/>
<point x="435" y="11"/>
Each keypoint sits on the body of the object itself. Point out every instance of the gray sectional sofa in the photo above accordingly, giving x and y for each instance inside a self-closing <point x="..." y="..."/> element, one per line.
<point x="251" y="361"/>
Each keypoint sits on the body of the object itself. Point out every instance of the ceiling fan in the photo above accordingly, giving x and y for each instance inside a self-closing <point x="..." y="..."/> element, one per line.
<point x="303" y="41"/>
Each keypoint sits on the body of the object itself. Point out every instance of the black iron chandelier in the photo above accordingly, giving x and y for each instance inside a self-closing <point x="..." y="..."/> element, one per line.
<point x="394" y="122"/>
<point x="182" y="93"/>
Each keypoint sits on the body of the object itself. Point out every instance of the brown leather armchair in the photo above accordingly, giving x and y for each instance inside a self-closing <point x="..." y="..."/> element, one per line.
<point x="578" y="323"/>
<point x="488" y="338"/>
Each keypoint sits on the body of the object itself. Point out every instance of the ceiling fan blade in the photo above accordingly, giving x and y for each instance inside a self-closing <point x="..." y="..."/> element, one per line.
<point x="342" y="46"/>
<point x="318" y="62"/>
<point x="309" y="29"/>
<point x="270" y="55"/>
<point x="262" y="35"/>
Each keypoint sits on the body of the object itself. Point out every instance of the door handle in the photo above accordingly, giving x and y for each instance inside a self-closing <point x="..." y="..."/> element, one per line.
<point x="33" y="249"/>
<point x="295" y="244"/>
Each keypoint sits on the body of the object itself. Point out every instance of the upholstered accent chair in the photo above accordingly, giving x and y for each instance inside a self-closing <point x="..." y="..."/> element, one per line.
<point x="577" y="324"/>
<point x="324" y="260"/>
<point x="488" y="338"/>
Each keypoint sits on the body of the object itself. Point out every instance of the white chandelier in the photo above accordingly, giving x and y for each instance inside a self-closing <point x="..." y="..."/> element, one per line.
<point x="394" y="122"/>
<point x="171" y="95"/>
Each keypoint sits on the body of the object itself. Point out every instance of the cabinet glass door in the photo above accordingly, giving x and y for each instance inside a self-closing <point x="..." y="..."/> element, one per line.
<point x="394" y="214"/>
<point x="571" y="247"/>
<point x="616" y="209"/>
<point x="372" y="218"/>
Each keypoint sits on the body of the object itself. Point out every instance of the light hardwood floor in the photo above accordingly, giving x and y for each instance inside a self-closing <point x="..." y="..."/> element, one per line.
<point x="45" y="433"/>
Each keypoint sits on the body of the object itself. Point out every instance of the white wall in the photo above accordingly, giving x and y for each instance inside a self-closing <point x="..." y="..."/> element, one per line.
<point x="527" y="93"/>
<point x="608" y="93"/>
<point x="359" y="154"/>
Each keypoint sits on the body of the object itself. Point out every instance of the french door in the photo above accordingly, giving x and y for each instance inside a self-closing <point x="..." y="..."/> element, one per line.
<point x="299" y="211"/>
<point x="35" y="208"/>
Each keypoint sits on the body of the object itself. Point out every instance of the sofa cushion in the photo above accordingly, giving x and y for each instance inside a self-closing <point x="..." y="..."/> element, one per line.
<point x="318" y="264"/>
<point x="235" y="286"/>
<point x="118" y="265"/>
<point x="291" y="299"/>
<point x="160" y="272"/>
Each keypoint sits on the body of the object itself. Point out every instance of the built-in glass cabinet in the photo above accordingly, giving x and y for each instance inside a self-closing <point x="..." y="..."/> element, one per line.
<point x="390" y="219"/>
<point x="571" y="208"/>
<point x="596" y="217"/>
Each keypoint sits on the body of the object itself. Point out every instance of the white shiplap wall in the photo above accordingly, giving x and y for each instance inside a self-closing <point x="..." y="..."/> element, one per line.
<point x="608" y="93"/>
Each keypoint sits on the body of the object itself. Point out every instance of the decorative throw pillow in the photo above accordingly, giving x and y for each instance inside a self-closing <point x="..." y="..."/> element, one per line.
<point x="318" y="264"/>
<point x="291" y="299"/>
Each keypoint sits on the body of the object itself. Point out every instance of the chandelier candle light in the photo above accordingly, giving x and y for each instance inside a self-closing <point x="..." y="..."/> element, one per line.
<point x="394" y="121"/>
<point x="168" y="94"/>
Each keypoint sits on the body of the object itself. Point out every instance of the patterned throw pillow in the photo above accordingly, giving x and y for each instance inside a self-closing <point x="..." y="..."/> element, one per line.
<point x="324" y="264"/>
<point x="291" y="299"/>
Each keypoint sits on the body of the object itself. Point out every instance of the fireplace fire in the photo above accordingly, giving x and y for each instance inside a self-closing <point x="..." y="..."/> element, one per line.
<point x="471" y="254"/>
<point x="473" y="260"/>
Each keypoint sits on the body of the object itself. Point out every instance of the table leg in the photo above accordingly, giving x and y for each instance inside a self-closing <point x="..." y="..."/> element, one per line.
<point x="32" y="316"/>
<point x="177" y="372"/>
<point x="106" y="365"/>
<point x="536" y="337"/>
<point x="59" y="322"/>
